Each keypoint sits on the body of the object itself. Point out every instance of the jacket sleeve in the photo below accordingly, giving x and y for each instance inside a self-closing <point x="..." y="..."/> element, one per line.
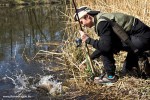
<point x="95" y="54"/>
<point x="104" y="43"/>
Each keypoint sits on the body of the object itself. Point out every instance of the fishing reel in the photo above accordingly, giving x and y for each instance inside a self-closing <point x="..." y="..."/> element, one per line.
<point x="78" y="42"/>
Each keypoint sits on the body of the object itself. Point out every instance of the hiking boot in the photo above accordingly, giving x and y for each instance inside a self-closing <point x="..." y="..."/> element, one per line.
<point x="106" y="79"/>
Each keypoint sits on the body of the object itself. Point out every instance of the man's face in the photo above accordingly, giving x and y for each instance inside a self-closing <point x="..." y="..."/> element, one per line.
<point x="86" y="21"/>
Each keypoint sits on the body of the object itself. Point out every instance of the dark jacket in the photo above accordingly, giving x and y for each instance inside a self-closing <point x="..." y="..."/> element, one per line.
<point x="109" y="42"/>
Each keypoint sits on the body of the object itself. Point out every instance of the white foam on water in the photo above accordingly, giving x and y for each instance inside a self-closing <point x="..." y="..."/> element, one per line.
<point x="48" y="80"/>
<point x="19" y="80"/>
<point x="22" y="85"/>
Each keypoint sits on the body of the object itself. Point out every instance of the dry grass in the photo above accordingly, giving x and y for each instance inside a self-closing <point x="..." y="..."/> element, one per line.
<point x="140" y="9"/>
<point x="126" y="87"/>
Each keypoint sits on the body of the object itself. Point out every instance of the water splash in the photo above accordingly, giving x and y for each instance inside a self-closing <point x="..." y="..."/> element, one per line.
<point x="19" y="80"/>
<point x="21" y="83"/>
<point x="51" y="85"/>
<point x="15" y="50"/>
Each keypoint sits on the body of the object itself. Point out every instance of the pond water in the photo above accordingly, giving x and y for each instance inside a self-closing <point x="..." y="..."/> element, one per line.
<point x="20" y="29"/>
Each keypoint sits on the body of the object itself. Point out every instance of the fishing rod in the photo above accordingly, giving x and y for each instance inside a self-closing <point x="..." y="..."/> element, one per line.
<point x="87" y="49"/>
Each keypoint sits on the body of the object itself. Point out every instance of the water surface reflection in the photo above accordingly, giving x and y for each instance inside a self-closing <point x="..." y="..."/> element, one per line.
<point x="20" y="29"/>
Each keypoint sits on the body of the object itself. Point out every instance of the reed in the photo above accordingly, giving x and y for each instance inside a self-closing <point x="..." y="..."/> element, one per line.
<point x="73" y="56"/>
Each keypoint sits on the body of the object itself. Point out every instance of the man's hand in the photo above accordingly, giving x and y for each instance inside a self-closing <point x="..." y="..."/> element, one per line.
<point x="84" y="36"/>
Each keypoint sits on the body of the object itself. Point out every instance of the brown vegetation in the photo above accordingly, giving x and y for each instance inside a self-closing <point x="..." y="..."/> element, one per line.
<point x="127" y="87"/>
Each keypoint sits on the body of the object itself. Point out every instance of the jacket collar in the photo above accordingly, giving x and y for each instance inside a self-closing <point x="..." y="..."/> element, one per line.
<point x="96" y="17"/>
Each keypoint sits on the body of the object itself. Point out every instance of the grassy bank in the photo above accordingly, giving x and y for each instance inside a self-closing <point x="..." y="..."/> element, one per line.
<point x="127" y="87"/>
<point x="30" y="2"/>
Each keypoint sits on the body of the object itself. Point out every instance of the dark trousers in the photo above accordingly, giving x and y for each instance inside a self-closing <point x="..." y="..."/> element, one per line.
<point x="130" y="62"/>
<point x="140" y="37"/>
<point x="109" y="63"/>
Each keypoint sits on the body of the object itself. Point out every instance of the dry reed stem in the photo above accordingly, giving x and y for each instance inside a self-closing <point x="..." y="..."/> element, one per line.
<point x="46" y="53"/>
